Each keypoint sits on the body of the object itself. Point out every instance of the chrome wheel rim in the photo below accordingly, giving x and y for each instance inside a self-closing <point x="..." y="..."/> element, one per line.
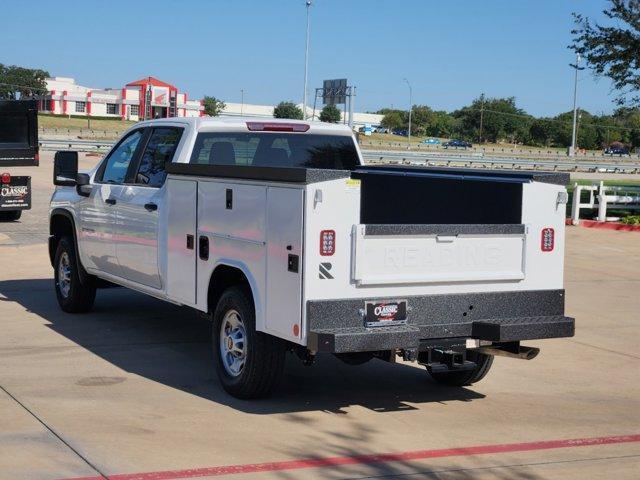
<point x="64" y="275"/>
<point x="233" y="346"/>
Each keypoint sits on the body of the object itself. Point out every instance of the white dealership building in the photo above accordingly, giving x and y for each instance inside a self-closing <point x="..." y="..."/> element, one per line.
<point x="151" y="98"/>
<point x="142" y="99"/>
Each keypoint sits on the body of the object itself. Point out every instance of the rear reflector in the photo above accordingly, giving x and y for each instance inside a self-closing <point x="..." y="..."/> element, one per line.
<point x="327" y="242"/>
<point x="6" y="178"/>
<point x="547" y="239"/>
<point x="277" y="127"/>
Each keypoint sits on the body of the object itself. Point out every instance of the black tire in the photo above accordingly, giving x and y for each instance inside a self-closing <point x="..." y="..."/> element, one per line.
<point x="73" y="295"/>
<point x="10" y="216"/>
<point x="466" y="377"/>
<point x="263" y="355"/>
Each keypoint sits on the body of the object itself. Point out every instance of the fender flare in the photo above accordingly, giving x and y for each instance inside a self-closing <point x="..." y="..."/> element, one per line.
<point x="82" y="273"/>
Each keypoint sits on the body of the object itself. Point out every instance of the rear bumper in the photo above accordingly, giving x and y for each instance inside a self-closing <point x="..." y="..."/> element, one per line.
<point x="337" y="326"/>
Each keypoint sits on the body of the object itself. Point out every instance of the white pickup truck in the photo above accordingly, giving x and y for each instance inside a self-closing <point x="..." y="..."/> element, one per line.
<point x="278" y="232"/>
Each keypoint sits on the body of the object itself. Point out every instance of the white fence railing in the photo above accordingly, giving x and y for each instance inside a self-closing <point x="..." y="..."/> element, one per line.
<point x="602" y="197"/>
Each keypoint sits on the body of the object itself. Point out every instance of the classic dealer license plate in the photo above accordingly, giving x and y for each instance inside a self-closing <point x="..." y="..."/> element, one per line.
<point x="385" y="313"/>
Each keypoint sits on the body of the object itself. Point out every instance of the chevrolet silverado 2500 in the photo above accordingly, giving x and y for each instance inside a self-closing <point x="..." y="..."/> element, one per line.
<point x="280" y="234"/>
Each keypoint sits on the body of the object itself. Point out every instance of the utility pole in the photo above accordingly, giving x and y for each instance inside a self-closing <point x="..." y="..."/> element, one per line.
<point x="306" y="65"/>
<point x="572" y="148"/>
<point x="481" y="115"/>
<point x="241" y="101"/>
<point x="410" y="109"/>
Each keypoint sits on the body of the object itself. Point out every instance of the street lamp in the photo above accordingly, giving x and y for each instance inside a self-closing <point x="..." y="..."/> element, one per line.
<point x="572" y="148"/>
<point x="241" y="101"/>
<point x="410" y="109"/>
<point x="306" y="64"/>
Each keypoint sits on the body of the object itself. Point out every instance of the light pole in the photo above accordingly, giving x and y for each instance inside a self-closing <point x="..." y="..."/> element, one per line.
<point x="410" y="109"/>
<point x="241" y="101"/>
<point x="572" y="148"/>
<point x="306" y="64"/>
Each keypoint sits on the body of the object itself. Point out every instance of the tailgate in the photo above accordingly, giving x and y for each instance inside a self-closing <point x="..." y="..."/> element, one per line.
<point x="402" y="254"/>
<point x="16" y="194"/>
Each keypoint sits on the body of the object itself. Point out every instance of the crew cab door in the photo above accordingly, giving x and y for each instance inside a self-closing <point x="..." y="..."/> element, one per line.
<point x="97" y="213"/>
<point x="140" y="204"/>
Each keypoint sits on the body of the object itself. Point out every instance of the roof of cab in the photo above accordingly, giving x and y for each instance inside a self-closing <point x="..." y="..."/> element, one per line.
<point x="240" y="124"/>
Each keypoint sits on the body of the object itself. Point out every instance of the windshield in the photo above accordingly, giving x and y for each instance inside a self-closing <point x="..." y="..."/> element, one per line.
<point x="276" y="150"/>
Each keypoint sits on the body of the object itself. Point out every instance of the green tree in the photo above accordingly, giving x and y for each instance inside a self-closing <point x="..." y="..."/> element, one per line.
<point x="19" y="82"/>
<point x="393" y="119"/>
<point x="541" y="132"/>
<point x="501" y="120"/>
<point x="613" y="50"/>
<point x="330" y="114"/>
<point x="287" y="110"/>
<point x="212" y="106"/>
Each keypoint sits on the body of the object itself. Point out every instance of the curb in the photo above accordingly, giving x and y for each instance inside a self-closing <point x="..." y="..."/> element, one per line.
<point x="606" y="225"/>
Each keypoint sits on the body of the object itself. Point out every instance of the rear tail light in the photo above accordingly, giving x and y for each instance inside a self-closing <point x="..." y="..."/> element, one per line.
<point x="327" y="242"/>
<point x="277" y="127"/>
<point x="547" y="239"/>
<point x="37" y="159"/>
<point x="6" y="178"/>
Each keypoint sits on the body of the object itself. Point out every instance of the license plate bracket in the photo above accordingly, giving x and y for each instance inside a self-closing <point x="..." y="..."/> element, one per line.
<point x="383" y="313"/>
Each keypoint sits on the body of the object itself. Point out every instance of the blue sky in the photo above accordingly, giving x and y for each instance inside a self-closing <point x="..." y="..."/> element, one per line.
<point x="451" y="51"/>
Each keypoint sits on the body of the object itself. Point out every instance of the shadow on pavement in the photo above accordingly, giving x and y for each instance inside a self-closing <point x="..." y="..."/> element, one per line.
<point x="170" y="344"/>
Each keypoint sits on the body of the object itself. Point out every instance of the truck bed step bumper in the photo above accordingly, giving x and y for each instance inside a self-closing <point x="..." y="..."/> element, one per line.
<point x="361" y="339"/>
<point x="524" y="328"/>
<point x="342" y="340"/>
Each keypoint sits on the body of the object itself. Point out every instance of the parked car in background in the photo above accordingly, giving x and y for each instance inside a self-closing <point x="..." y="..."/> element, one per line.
<point x="616" y="150"/>
<point x="431" y="141"/>
<point x="382" y="130"/>
<point x="457" y="144"/>
<point x="401" y="131"/>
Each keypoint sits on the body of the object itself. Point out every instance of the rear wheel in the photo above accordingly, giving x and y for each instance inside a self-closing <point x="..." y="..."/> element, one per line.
<point x="466" y="377"/>
<point x="10" y="216"/>
<point x="249" y="363"/>
<point x="73" y="295"/>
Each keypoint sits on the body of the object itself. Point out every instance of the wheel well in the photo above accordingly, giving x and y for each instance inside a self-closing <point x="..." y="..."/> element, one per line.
<point x="59" y="226"/>
<point x="222" y="278"/>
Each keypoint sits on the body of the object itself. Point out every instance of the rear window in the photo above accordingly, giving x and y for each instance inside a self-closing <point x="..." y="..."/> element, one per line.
<point x="14" y="129"/>
<point x="275" y="150"/>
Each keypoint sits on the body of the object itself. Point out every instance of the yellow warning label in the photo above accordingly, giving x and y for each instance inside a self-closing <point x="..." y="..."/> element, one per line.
<point x="352" y="182"/>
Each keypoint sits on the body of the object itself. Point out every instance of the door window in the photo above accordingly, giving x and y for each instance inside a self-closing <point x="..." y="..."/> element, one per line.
<point x="117" y="164"/>
<point x="159" y="151"/>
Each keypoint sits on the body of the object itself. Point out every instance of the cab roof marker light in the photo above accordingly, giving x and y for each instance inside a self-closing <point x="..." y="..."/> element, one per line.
<point x="277" y="127"/>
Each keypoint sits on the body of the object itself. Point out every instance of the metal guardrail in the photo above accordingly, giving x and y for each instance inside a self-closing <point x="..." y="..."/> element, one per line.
<point x="430" y="159"/>
<point x="412" y="158"/>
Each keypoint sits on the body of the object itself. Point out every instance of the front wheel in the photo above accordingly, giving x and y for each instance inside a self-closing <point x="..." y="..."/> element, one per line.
<point x="466" y="377"/>
<point x="249" y="363"/>
<point x="73" y="295"/>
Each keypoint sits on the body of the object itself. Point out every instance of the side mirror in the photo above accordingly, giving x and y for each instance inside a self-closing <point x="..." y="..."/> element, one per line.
<point x="65" y="168"/>
<point x="83" y="184"/>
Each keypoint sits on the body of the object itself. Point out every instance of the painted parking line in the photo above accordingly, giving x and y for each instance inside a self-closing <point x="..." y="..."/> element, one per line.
<point x="369" y="459"/>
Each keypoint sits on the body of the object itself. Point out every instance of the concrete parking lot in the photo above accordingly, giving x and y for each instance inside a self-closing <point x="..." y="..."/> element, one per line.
<point x="129" y="392"/>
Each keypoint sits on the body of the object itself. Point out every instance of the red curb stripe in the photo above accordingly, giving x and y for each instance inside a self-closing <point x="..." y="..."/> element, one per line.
<point x="370" y="459"/>
<point x="606" y="225"/>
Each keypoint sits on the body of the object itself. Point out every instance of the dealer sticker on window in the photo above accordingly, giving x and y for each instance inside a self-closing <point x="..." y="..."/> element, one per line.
<point x="385" y="313"/>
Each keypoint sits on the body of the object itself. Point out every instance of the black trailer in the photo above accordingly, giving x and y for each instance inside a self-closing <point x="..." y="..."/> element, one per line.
<point x="18" y="148"/>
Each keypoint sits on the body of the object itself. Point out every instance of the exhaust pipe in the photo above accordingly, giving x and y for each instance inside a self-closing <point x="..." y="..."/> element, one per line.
<point x="523" y="353"/>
